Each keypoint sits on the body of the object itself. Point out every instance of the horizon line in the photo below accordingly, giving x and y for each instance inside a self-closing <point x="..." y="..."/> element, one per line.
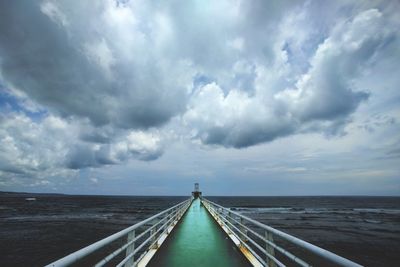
<point x="152" y="195"/>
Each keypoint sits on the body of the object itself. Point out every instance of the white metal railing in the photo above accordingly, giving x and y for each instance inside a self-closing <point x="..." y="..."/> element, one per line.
<point x="256" y="236"/>
<point x="146" y="232"/>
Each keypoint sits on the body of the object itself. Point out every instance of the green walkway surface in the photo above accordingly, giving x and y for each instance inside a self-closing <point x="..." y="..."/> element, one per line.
<point x="198" y="241"/>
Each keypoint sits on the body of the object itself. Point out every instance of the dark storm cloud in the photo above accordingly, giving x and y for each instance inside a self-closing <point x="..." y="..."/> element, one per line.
<point x="47" y="61"/>
<point x="84" y="155"/>
<point x="248" y="135"/>
<point x="38" y="58"/>
<point x="81" y="157"/>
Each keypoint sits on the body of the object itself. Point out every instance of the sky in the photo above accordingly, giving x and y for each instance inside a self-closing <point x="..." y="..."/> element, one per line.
<point x="245" y="97"/>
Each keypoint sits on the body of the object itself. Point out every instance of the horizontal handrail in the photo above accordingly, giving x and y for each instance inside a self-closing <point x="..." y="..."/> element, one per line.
<point x="230" y="225"/>
<point x="225" y="215"/>
<point x="88" y="250"/>
<point x="151" y="237"/>
<point x="275" y="246"/>
<point x="121" y="249"/>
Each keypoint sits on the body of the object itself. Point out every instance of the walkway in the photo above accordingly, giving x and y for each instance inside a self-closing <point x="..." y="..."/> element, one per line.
<point x="197" y="241"/>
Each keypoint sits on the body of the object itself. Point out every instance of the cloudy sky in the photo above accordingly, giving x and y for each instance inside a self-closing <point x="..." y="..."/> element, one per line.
<point x="245" y="97"/>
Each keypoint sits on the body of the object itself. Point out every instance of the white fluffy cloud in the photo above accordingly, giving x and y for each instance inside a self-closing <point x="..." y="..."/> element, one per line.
<point x="53" y="147"/>
<point x="29" y="149"/>
<point x="320" y="99"/>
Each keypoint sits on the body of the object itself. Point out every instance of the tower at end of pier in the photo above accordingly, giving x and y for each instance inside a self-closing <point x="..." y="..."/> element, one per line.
<point x="196" y="193"/>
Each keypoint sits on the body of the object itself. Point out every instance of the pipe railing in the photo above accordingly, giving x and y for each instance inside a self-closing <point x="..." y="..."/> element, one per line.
<point x="256" y="236"/>
<point x="137" y="237"/>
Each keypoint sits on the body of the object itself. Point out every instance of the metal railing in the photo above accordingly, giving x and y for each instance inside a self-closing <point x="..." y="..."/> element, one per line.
<point x="258" y="238"/>
<point x="135" y="238"/>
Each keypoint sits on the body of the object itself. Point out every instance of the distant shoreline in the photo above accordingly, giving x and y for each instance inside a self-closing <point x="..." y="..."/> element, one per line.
<point x="11" y="193"/>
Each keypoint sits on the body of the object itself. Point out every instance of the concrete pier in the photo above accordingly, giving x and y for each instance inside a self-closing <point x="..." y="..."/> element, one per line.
<point x="198" y="241"/>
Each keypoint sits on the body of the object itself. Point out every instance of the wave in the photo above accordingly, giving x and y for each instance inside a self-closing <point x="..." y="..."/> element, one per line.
<point x="58" y="217"/>
<point x="381" y="211"/>
<point x="317" y="210"/>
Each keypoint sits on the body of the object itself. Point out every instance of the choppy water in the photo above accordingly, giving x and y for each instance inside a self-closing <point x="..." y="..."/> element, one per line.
<point x="35" y="232"/>
<point x="363" y="229"/>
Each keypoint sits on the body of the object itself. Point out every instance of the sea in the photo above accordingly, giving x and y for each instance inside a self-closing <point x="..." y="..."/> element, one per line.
<point x="36" y="229"/>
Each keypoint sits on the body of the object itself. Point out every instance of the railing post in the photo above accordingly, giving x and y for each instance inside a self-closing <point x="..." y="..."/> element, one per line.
<point x="243" y="230"/>
<point x="180" y="212"/>
<point x="269" y="249"/>
<point x="176" y="215"/>
<point x="171" y="221"/>
<point x="130" y="249"/>
<point x="154" y="238"/>
<point x="229" y="219"/>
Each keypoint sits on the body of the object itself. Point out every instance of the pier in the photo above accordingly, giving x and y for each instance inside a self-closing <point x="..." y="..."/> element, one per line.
<point x="198" y="241"/>
<point x="200" y="233"/>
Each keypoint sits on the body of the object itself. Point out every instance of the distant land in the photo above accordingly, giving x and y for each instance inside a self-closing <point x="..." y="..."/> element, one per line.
<point x="23" y="194"/>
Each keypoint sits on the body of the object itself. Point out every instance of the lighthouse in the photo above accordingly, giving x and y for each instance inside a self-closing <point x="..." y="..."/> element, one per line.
<point x="196" y="193"/>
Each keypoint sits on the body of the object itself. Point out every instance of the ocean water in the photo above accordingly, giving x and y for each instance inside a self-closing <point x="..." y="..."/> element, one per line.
<point x="363" y="229"/>
<point x="37" y="229"/>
